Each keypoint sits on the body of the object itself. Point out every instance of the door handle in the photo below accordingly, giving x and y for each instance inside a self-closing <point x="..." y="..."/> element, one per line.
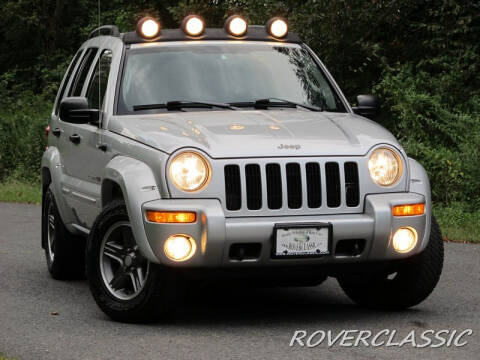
<point x="57" y="132"/>
<point x="75" y="138"/>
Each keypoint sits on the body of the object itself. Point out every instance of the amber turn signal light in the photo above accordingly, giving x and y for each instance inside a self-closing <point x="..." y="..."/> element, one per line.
<point x="408" y="210"/>
<point x="170" y="217"/>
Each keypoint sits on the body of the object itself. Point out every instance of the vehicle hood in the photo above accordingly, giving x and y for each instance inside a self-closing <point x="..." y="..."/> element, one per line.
<point x="252" y="133"/>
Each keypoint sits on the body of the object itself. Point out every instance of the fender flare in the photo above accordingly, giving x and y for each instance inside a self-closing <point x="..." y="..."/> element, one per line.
<point x="420" y="184"/>
<point x="138" y="185"/>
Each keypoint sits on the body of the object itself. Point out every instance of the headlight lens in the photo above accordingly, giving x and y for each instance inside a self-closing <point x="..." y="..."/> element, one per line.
<point x="385" y="166"/>
<point x="189" y="171"/>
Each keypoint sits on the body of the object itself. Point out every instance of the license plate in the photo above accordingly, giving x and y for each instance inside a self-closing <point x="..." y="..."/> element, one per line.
<point x="302" y="240"/>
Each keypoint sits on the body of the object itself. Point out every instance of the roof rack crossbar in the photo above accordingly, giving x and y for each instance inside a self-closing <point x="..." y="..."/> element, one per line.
<point x="111" y="30"/>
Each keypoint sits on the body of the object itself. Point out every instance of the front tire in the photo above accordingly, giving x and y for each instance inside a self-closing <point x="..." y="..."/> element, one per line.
<point x="64" y="252"/>
<point x="125" y="285"/>
<point x="405" y="284"/>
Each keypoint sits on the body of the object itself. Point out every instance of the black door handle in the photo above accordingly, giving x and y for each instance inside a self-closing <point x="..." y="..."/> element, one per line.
<point x="56" y="132"/>
<point x="75" y="138"/>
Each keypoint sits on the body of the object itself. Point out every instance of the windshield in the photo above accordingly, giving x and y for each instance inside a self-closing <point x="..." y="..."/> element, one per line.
<point x="228" y="73"/>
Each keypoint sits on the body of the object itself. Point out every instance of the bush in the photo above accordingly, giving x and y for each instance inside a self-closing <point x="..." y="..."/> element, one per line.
<point x="442" y="135"/>
<point x="22" y="125"/>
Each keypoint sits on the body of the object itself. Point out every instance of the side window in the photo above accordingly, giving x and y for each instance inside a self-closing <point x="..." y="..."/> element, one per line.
<point x="61" y="92"/>
<point x="82" y="72"/>
<point x="98" y="84"/>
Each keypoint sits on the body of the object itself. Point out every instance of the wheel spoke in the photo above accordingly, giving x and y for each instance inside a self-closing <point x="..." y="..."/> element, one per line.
<point x="51" y="221"/>
<point x="119" y="280"/>
<point x="52" y="244"/>
<point x="135" y="281"/>
<point x="114" y="251"/>
<point x="140" y="275"/>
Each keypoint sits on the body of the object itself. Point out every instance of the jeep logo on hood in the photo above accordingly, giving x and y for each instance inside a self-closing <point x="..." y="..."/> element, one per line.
<point x="289" y="147"/>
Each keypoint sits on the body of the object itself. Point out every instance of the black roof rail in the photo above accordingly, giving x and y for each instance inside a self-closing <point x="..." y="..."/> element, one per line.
<point x="111" y="30"/>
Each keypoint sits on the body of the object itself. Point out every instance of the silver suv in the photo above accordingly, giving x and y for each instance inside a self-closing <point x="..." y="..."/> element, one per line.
<point x="193" y="153"/>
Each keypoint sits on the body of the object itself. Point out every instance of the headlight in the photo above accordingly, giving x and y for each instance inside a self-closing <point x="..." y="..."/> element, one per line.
<point x="385" y="166"/>
<point x="189" y="171"/>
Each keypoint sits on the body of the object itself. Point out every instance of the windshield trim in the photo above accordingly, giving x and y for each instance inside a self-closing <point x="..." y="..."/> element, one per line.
<point x="329" y="78"/>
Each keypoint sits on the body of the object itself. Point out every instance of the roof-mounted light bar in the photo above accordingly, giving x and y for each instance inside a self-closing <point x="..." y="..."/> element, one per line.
<point x="148" y="28"/>
<point x="193" y="25"/>
<point x="236" y="25"/>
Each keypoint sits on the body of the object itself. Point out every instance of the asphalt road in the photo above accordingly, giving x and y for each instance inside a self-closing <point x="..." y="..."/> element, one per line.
<point x="242" y="324"/>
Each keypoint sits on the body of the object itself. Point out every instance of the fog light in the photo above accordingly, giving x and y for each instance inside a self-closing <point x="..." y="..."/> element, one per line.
<point x="405" y="239"/>
<point x="180" y="247"/>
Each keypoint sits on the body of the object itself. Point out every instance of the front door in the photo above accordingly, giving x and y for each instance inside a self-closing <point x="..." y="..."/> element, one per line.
<point x="86" y="158"/>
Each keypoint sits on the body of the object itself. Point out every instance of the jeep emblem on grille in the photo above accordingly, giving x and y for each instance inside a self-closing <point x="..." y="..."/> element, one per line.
<point x="288" y="147"/>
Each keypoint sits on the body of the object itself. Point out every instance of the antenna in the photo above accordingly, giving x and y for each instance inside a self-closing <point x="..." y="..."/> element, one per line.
<point x="99" y="70"/>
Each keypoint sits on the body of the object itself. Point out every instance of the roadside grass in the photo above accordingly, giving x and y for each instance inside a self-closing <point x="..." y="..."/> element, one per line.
<point x="3" y="357"/>
<point x="456" y="224"/>
<point x="20" y="192"/>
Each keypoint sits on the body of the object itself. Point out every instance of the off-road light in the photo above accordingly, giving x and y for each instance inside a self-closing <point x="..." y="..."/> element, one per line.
<point x="190" y="171"/>
<point x="277" y="27"/>
<point x="148" y="28"/>
<point x="236" y="25"/>
<point x="404" y="239"/>
<point x="385" y="166"/>
<point x="193" y="25"/>
<point x="408" y="210"/>
<point x="180" y="247"/>
<point x="170" y="217"/>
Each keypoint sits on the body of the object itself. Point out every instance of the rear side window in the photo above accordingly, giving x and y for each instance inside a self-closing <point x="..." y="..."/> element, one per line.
<point x="82" y="72"/>
<point x="73" y="64"/>
<point x="98" y="84"/>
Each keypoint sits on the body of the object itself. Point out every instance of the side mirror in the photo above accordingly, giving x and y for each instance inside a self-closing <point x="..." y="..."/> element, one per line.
<point x="75" y="110"/>
<point x="368" y="106"/>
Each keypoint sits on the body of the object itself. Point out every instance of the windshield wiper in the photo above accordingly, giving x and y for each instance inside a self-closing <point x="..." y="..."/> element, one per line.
<point x="177" y="105"/>
<point x="260" y="103"/>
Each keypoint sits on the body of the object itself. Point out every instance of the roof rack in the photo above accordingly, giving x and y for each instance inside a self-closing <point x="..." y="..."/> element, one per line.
<point x="109" y="30"/>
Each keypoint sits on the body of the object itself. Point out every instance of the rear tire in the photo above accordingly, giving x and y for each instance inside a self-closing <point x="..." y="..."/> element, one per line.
<point x="64" y="252"/>
<point x="126" y="286"/>
<point x="414" y="279"/>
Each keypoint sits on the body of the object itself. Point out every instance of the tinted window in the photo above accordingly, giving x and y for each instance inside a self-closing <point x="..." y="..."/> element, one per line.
<point x="98" y="84"/>
<point x="224" y="73"/>
<point x="67" y="79"/>
<point x="82" y="72"/>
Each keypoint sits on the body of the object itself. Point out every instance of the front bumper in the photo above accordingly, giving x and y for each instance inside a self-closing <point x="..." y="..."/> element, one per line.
<point x="215" y="234"/>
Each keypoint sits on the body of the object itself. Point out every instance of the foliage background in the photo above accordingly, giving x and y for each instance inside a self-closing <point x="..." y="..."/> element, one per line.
<point x="420" y="57"/>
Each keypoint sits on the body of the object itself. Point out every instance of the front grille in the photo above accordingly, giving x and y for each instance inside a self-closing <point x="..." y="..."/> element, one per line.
<point x="292" y="185"/>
